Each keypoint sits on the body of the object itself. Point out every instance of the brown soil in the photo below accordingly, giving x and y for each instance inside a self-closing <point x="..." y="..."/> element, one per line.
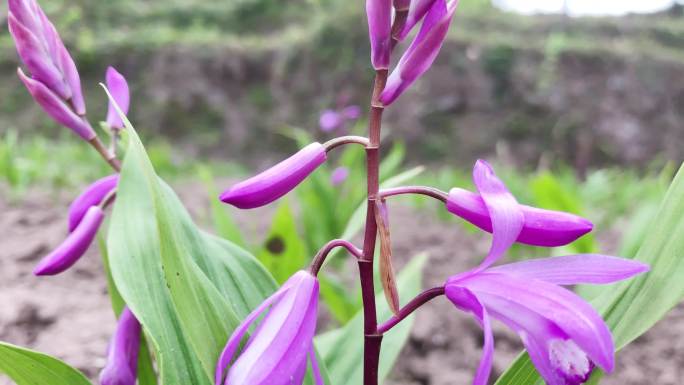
<point x="68" y="316"/>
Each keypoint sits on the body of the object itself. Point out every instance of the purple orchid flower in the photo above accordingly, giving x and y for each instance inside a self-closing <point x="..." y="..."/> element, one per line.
<point x="118" y="87"/>
<point x="276" y="354"/>
<point x="423" y="50"/>
<point x="417" y="10"/>
<point x="277" y="181"/>
<point x="53" y="71"/>
<point x="74" y="246"/>
<point x="564" y="336"/>
<point x="91" y="196"/>
<point x="122" y="354"/>
<point x="339" y="175"/>
<point x="540" y="227"/>
<point x="379" y="14"/>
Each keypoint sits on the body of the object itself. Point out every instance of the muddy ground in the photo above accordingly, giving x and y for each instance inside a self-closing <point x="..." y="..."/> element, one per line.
<point x="68" y="316"/>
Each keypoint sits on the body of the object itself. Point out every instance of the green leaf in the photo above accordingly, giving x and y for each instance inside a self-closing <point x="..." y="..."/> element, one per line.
<point x="26" y="367"/>
<point x="343" y="348"/>
<point x="283" y="252"/>
<point x="632" y="307"/>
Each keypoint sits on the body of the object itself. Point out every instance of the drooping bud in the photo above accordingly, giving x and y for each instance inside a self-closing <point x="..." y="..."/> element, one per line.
<point x="423" y="50"/>
<point x="122" y="353"/>
<point x="541" y="227"/>
<point x="277" y="181"/>
<point x="379" y="14"/>
<point x="74" y="246"/>
<point x="91" y="196"/>
<point x="56" y="107"/>
<point x="387" y="277"/>
<point x="42" y="50"/>
<point x="118" y="87"/>
<point x="277" y="353"/>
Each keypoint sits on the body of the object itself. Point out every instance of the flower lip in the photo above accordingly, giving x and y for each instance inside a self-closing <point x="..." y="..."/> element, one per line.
<point x="91" y="196"/>
<point x="540" y="228"/>
<point x="74" y="246"/>
<point x="276" y="181"/>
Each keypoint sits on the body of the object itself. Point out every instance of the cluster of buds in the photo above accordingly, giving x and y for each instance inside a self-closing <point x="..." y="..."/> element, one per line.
<point x="54" y="83"/>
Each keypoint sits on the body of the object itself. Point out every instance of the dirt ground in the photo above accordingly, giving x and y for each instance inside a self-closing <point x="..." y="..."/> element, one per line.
<point x="68" y="316"/>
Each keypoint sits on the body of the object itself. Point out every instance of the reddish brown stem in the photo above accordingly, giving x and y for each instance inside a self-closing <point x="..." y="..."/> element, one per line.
<point x="342" y="140"/>
<point x="415" y="303"/>
<point x="107" y="155"/>
<point x="420" y="190"/>
<point x="372" y="340"/>
<point x="322" y="254"/>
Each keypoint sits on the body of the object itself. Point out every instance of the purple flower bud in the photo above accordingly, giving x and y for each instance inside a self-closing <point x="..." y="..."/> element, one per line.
<point x="122" y="354"/>
<point x="541" y="227"/>
<point x="351" y="112"/>
<point x="42" y="50"/>
<point x="423" y="50"/>
<point x="54" y="106"/>
<point x="74" y="246"/>
<point x="330" y="120"/>
<point x="417" y="10"/>
<point x="118" y="87"/>
<point x="339" y="175"/>
<point x="379" y="14"/>
<point x="91" y="196"/>
<point x="277" y="352"/>
<point x="277" y="181"/>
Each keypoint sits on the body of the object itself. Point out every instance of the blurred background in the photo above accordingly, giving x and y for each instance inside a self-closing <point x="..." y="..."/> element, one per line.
<point x="579" y="103"/>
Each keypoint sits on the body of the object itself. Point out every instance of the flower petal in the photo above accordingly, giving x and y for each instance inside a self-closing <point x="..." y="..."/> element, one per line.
<point x="122" y="355"/>
<point x="511" y="296"/>
<point x="379" y="14"/>
<point x="234" y="340"/>
<point x="318" y="378"/>
<point x="504" y="211"/>
<point x="284" y="336"/>
<point x="417" y="10"/>
<point x="575" y="269"/>
<point x="541" y="227"/>
<point x="466" y="300"/>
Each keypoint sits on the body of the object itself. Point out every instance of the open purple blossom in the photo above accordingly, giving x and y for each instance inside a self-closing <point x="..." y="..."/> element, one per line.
<point x="118" y="87"/>
<point x="379" y="14"/>
<point x="122" y="353"/>
<point x="564" y="336"/>
<point x="54" y="82"/>
<point x="276" y="181"/>
<point x="74" y="246"/>
<point x="91" y="196"/>
<point x="278" y="352"/>
<point x="423" y="50"/>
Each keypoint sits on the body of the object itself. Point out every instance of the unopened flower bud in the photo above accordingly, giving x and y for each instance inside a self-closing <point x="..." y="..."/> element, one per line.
<point x="540" y="228"/>
<point x="56" y="107"/>
<point x="122" y="354"/>
<point x="74" y="246"/>
<point x="277" y="181"/>
<point x="379" y="14"/>
<point x="91" y="196"/>
<point x="118" y="87"/>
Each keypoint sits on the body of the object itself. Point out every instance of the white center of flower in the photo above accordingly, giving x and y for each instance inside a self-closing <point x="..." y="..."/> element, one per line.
<point x="569" y="361"/>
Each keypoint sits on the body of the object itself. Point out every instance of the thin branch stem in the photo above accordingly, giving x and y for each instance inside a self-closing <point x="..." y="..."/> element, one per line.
<point x="410" y="307"/>
<point x="342" y="140"/>
<point x="419" y="190"/>
<point x="322" y="254"/>
<point x="107" y="155"/>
